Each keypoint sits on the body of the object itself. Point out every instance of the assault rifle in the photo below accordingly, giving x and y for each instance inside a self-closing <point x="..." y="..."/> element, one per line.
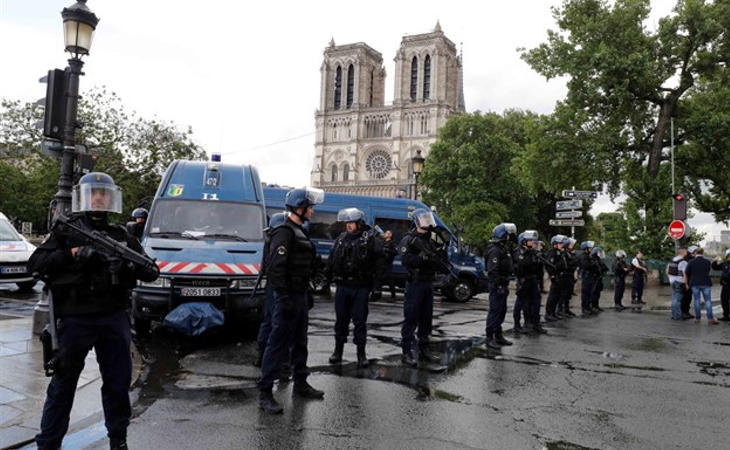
<point x="49" y="338"/>
<point x="113" y="250"/>
<point x="445" y="266"/>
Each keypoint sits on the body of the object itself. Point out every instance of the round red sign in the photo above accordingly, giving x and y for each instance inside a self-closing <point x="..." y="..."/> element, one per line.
<point x="677" y="229"/>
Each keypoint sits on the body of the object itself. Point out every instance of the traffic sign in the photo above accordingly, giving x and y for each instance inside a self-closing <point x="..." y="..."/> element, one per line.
<point x="568" y="214"/>
<point x="580" y="194"/>
<point x="568" y="204"/>
<point x="567" y="222"/>
<point x="677" y="229"/>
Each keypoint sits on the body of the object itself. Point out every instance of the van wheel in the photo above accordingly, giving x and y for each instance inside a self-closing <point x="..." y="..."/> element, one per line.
<point x="26" y="286"/>
<point x="461" y="291"/>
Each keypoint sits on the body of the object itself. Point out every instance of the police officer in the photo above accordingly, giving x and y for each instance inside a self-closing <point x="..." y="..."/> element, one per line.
<point x="568" y="282"/>
<point x="528" y="269"/>
<point x="597" y="255"/>
<point x="499" y="271"/>
<point x="386" y="251"/>
<point x="724" y="267"/>
<point x="556" y="267"/>
<point x="637" y="282"/>
<point x="90" y="292"/>
<point x="139" y="219"/>
<point x="289" y="269"/>
<point x="275" y="222"/>
<point x="588" y="277"/>
<point x="620" y="269"/>
<point x="350" y="265"/>
<point x="421" y="258"/>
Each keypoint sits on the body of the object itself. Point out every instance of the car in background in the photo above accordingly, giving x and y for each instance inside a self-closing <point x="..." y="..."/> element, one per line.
<point x="15" y="251"/>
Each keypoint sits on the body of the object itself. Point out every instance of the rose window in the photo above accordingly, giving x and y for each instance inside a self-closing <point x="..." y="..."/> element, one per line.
<point x="378" y="164"/>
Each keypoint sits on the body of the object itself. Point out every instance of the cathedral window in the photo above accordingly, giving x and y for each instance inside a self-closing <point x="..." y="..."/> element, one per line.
<point x="378" y="164"/>
<point x="334" y="173"/>
<point x="372" y="85"/>
<point x="427" y="78"/>
<point x="334" y="131"/>
<point x="338" y="87"/>
<point x="414" y="77"/>
<point x="346" y="172"/>
<point x="350" y="85"/>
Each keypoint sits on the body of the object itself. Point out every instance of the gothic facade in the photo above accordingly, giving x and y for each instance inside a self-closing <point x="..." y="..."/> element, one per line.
<point x="364" y="146"/>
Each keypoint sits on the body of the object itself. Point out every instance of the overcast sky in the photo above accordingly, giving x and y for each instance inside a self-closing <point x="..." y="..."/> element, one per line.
<point x="245" y="75"/>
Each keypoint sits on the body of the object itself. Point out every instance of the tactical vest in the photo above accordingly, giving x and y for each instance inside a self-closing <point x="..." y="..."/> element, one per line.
<point x="350" y="260"/>
<point x="673" y="268"/>
<point x="300" y="263"/>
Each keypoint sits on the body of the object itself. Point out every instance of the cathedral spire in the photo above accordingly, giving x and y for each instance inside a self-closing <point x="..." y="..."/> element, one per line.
<point x="437" y="28"/>
<point x="332" y="42"/>
<point x="461" y="104"/>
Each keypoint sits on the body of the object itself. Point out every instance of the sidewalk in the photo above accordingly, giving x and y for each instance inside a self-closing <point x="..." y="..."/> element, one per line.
<point x="23" y="384"/>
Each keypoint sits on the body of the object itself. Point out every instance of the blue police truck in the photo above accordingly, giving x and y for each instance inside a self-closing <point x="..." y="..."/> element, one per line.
<point x="389" y="214"/>
<point x="205" y="230"/>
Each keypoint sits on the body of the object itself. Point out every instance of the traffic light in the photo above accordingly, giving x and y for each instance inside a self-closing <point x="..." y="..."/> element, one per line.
<point x="54" y="103"/>
<point x="680" y="206"/>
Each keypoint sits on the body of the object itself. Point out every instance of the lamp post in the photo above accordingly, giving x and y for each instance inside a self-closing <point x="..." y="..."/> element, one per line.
<point x="417" y="165"/>
<point x="79" y="24"/>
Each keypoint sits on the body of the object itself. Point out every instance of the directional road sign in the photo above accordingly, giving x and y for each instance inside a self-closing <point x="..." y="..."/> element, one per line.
<point x="568" y="214"/>
<point x="567" y="222"/>
<point x="580" y="194"/>
<point x="677" y="229"/>
<point x="568" y="204"/>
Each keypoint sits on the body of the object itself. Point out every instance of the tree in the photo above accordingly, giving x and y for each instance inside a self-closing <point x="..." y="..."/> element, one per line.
<point x="135" y="151"/>
<point x="625" y="84"/>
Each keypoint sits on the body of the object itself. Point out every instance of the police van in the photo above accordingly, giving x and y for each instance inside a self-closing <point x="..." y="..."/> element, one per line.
<point x="389" y="214"/>
<point x="205" y="231"/>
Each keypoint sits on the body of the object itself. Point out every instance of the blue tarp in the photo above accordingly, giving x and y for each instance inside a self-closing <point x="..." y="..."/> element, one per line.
<point x="194" y="319"/>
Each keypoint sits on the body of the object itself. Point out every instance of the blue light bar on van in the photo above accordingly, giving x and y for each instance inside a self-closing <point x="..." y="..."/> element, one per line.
<point x="215" y="157"/>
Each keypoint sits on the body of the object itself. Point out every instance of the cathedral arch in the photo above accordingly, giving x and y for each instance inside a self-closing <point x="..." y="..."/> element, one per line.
<point x="414" y="77"/>
<point x="333" y="173"/>
<point x="350" y="85"/>
<point x="427" y="77"/>
<point x="338" y="87"/>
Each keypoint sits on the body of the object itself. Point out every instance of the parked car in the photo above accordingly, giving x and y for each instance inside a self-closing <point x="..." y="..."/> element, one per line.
<point x="15" y="250"/>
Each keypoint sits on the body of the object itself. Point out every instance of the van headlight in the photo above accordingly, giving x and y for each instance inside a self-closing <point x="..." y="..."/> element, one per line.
<point x="160" y="282"/>
<point x="246" y="283"/>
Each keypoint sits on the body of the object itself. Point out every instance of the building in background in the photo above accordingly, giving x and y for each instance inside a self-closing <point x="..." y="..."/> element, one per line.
<point x="364" y="146"/>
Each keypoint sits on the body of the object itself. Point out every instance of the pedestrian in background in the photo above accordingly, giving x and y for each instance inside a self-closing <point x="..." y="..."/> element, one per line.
<point x="687" y="297"/>
<point x="724" y="267"/>
<point x="697" y="278"/>
<point x="620" y="269"/>
<point x="637" y="282"/>
<point x="675" y="272"/>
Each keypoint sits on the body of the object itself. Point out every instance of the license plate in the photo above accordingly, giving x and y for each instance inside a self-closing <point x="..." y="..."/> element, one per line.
<point x="20" y="269"/>
<point x="200" y="292"/>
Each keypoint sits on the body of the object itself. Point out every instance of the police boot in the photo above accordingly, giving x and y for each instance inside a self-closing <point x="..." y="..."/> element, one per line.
<point x="362" y="360"/>
<point x="268" y="404"/>
<point x="426" y="356"/>
<point x="492" y="343"/>
<point x="500" y="340"/>
<point x="408" y="359"/>
<point x="539" y="329"/>
<point x="569" y="313"/>
<point x="118" y="443"/>
<point x="517" y="329"/>
<point x="305" y="390"/>
<point x="336" y="357"/>
<point x="550" y="318"/>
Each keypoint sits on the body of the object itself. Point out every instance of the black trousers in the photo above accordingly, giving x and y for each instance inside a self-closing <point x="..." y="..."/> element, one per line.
<point x="554" y="296"/>
<point x="618" y="290"/>
<point x="497" y="308"/>
<point x="686" y="300"/>
<point x="417" y="314"/>
<point x="725" y="301"/>
<point x="110" y="337"/>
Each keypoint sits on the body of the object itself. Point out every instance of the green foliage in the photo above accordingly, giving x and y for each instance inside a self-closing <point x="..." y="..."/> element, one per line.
<point x="135" y="151"/>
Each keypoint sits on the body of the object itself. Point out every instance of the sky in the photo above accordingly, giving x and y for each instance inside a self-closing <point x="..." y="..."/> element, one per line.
<point x="245" y="75"/>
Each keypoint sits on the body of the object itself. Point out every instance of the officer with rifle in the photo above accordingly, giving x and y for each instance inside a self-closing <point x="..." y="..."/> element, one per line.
<point x="568" y="282"/>
<point x="528" y="269"/>
<point x="423" y="260"/>
<point x="556" y="269"/>
<point x="499" y="270"/>
<point x="89" y="266"/>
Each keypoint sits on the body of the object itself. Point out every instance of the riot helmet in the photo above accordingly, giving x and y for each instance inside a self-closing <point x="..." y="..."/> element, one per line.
<point x="423" y="218"/>
<point x="351" y="215"/>
<point x="620" y="253"/>
<point x="557" y="240"/>
<point x="303" y="197"/>
<point x="504" y="231"/>
<point x="587" y="245"/>
<point x="598" y="251"/>
<point x="569" y="242"/>
<point x="140" y="213"/>
<point x="96" y="193"/>
<point x="692" y="249"/>
<point x="527" y="235"/>
<point x="727" y="253"/>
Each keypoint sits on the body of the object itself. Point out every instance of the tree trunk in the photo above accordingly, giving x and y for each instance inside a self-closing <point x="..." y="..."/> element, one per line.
<point x="657" y="144"/>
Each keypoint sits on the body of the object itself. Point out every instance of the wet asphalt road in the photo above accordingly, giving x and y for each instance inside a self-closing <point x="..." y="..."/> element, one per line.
<point x="621" y="380"/>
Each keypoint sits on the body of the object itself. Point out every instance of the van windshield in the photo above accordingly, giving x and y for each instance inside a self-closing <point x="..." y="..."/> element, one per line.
<point x="207" y="220"/>
<point x="7" y="232"/>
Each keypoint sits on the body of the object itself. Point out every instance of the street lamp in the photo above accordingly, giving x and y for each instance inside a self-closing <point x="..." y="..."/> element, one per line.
<point x="79" y="24"/>
<point x="417" y="166"/>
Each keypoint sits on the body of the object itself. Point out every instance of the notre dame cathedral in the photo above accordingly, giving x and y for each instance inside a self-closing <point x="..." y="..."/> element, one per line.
<point x="364" y="146"/>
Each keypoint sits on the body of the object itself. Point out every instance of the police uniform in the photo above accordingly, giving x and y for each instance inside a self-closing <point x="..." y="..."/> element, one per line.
<point x="637" y="281"/>
<point x="290" y="263"/>
<point x="556" y="269"/>
<point x="568" y="283"/>
<point x="598" y="285"/>
<point x="528" y="270"/>
<point x="386" y="251"/>
<point x="499" y="270"/>
<point x="350" y="264"/>
<point x="415" y="249"/>
<point x="91" y="306"/>
<point x="589" y="275"/>
<point x="724" y="268"/>
<point x="620" y="269"/>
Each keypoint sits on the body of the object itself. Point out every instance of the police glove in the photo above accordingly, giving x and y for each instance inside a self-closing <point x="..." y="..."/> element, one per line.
<point x="286" y="304"/>
<point x="86" y="254"/>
